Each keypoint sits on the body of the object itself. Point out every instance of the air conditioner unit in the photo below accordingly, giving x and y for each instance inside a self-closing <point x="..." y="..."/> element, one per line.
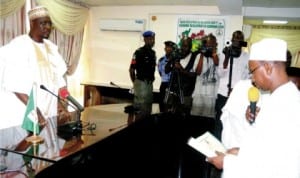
<point x="136" y="25"/>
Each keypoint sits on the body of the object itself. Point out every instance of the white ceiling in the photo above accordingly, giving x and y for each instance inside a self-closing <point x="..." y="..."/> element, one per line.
<point x="250" y="9"/>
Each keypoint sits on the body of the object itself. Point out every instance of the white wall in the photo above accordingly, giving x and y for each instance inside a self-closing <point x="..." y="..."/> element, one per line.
<point x="107" y="54"/>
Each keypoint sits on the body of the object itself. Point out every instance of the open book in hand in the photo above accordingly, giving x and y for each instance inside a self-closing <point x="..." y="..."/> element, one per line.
<point x="207" y="144"/>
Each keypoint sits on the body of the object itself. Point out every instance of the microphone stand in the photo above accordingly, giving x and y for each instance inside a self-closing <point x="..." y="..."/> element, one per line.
<point x="77" y="129"/>
<point x="230" y="71"/>
<point x="74" y="129"/>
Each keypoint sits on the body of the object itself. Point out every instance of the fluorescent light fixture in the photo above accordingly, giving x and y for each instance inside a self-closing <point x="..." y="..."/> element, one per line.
<point x="275" y="22"/>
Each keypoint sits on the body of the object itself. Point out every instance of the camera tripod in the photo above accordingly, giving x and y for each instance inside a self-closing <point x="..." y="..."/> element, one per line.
<point x="174" y="94"/>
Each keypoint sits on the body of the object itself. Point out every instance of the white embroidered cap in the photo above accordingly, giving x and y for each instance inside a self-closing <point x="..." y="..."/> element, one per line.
<point x="38" y="12"/>
<point x="268" y="49"/>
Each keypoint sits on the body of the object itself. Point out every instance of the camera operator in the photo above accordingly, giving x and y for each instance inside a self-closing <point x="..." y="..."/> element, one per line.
<point x="183" y="65"/>
<point x="205" y="92"/>
<point x="238" y="68"/>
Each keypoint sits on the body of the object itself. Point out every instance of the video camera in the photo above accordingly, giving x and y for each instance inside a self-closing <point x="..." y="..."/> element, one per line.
<point x="234" y="48"/>
<point x="236" y="43"/>
<point x="206" y="51"/>
<point x="176" y="54"/>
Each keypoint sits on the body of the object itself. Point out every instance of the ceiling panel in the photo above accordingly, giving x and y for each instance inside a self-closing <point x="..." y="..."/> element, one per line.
<point x="269" y="8"/>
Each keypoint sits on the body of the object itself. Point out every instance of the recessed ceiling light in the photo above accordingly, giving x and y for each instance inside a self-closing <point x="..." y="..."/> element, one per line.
<point x="275" y="22"/>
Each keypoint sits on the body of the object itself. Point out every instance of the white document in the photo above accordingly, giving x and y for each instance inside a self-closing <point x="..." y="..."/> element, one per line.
<point x="207" y="144"/>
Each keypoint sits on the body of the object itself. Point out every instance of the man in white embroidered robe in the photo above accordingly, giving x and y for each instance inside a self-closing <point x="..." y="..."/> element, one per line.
<point x="29" y="59"/>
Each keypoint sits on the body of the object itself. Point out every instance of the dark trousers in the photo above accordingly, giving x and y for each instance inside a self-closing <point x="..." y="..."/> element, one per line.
<point x="220" y="102"/>
<point x="162" y="93"/>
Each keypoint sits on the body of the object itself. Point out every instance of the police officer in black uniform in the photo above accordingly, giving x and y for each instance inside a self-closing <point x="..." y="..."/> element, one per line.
<point x="141" y="71"/>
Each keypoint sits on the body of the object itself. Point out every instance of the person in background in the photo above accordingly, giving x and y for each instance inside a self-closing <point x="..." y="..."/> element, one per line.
<point x="289" y="58"/>
<point x="230" y="72"/>
<point x="274" y="134"/>
<point x="183" y="71"/>
<point x="204" y="94"/>
<point x="294" y="75"/>
<point x="141" y="71"/>
<point x="165" y="77"/>
<point x="32" y="60"/>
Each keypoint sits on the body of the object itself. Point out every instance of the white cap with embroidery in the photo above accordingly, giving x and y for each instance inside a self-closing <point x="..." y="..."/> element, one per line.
<point x="268" y="49"/>
<point x="38" y="12"/>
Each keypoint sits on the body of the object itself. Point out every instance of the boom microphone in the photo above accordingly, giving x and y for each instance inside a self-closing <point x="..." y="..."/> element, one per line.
<point x="253" y="96"/>
<point x="66" y="95"/>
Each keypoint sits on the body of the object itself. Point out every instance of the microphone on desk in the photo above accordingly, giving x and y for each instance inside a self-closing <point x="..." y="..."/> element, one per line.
<point x="58" y="97"/>
<point x="71" y="128"/>
<point x="131" y="91"/>
<point x="64" y="93"/>
<point x="113" y="84"/>
<point x="118" y="127"/>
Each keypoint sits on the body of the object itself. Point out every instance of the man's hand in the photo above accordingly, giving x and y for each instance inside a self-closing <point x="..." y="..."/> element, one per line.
<point x="178" y="66"/>
<point x="250" y="116"/>
<point x="41" y="119"/>
<point x="63" y="117"/>
<point x="217" y="161"/>
<point x="233" y="151"/>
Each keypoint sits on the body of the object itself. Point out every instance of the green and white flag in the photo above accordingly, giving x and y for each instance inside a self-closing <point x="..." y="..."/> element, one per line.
<point x="30" y="121"/>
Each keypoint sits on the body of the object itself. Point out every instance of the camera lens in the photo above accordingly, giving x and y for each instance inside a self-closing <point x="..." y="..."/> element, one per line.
<point x="227" y="43"/>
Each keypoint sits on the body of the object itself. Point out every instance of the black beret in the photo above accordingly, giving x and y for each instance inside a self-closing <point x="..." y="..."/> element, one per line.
<point x="171" y="44"/>
<point x="148" y="34"/>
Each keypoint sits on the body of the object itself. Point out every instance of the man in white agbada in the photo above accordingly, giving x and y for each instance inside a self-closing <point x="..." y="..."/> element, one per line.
<point x="29" y="59"/>
<point x="234" y="122"/>
<point x="271" y="147"/>
<point x="233" y="118"/>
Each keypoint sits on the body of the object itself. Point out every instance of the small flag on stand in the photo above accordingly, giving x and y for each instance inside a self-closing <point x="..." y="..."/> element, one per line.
<point x="30" y="121"/>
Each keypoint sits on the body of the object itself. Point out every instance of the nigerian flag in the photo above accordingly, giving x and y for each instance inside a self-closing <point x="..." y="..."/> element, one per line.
<point x="30" y="118"/>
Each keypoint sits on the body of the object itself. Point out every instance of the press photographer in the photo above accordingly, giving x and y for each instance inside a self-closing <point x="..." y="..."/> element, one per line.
<point x="206" y="80"/>
<point x="183" y="77"/>
<point x="208" y="46"/>
<point x="234" y="69"/>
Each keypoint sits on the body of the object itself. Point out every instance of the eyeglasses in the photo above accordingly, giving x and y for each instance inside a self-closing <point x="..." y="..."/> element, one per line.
<point x="253" y="70"/>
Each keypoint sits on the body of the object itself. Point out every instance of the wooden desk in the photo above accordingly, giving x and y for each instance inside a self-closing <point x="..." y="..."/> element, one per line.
<point x="104" y="118"/>
<point x="150" y="147"/>
<point x="102" y="93"/>
<point x="155" y="146"/>
<point x="20" y="166"/>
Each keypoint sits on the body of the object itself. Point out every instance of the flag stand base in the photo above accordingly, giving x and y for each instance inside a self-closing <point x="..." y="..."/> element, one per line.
<point x="35" y="139"/>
